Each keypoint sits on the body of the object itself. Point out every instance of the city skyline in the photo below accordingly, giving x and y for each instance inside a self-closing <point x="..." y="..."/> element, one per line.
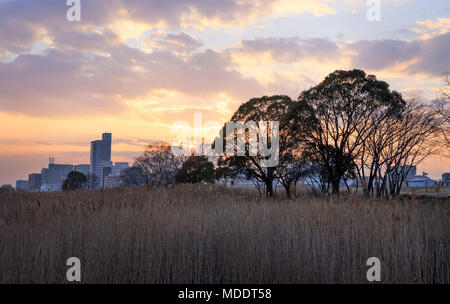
<point x="95" y="165"/>
<point x="51" y="178"/>
<point x="136" y="67"/>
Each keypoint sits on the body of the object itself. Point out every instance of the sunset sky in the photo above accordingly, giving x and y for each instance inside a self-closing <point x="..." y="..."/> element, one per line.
<point x="135" y="67"/>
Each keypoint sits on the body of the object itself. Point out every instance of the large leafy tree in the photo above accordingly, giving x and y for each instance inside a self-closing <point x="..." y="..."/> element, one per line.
<point x="75" y="180"/>
<point x="266" y="108"/>
<point x="334" y="119"/>
<point x="196" y="169"/>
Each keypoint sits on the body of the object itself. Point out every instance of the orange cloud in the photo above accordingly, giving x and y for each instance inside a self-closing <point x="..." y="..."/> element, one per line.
<point x="432" y="28"/>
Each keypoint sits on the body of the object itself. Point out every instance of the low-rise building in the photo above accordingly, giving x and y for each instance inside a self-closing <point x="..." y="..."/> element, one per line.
<point x="85" y="169"/>
<point x="111" y="173"/>
<point x="6" y="187"/>
<point x="22" y="185"/>
<point x="112" y="181"/>
<point x="446" y="180"/>
<point x="106" y="168"/>
<point x="419" y="181"/>
<point x="53" y="177"/>
<point x="51" y="187"/>
<point x="119" y="167"/>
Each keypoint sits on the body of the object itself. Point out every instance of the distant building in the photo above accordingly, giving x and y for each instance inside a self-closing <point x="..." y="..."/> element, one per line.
<point x="6" y="187"/>
<point x="34" y="182"/>
<point x="419" y="181"/>
<point x="106" y="147"/>
<point x="53" y="177"/>
<point x="106" y="168"/>
<point x="446" y="179"/>
<point x="112" y="180"/>
<point x="134" y="176"/>
<point x="96" y="147"/>
<point x="119" y="167"/>
<point x="100" y="152"/>
<point x="85" y="169"/>
<point x="412" y="171"/>
<point x="22" y="185"/>
<point x="57" y="173"/>
<point x="51" y="187"/>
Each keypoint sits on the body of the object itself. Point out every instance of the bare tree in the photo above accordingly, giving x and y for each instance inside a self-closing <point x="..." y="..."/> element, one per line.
<point x="413" y="138"/>
<point x="159" y="165"/>
<point x="293" y="167"/>
<point x="442" y="108"/>
<point x="369" y="160"/>
<point x="446" y="89"/>
<point x="319" y="178"/>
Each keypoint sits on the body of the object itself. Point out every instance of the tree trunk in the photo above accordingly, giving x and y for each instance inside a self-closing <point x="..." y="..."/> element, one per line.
<point x="335" y="186"/>
<point x="269" y="182"/>
<point x="269" y="188"/>
<point x="288" y="190"/>
<point x="346" y="185"/>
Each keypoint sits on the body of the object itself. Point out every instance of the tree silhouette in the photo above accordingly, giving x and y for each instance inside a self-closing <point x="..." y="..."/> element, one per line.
<point x="266" y="108"/>
<point x="333" y="120"/>
<point x="196" y="169"/>
<point x="158" y="165"/>
<point x="75" y="180"/>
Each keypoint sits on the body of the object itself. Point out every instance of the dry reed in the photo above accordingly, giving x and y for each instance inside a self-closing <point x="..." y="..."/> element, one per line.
<point x="201" y="234"/>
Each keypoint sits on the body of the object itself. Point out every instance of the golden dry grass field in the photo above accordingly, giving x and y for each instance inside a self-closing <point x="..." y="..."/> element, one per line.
<point x="211" y="234"/>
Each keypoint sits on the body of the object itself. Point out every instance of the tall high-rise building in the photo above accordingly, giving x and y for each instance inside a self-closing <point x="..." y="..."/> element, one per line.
<point x="106" y="147"/>
<point x="100" y="151"/>
<point x="96" y="147"/>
